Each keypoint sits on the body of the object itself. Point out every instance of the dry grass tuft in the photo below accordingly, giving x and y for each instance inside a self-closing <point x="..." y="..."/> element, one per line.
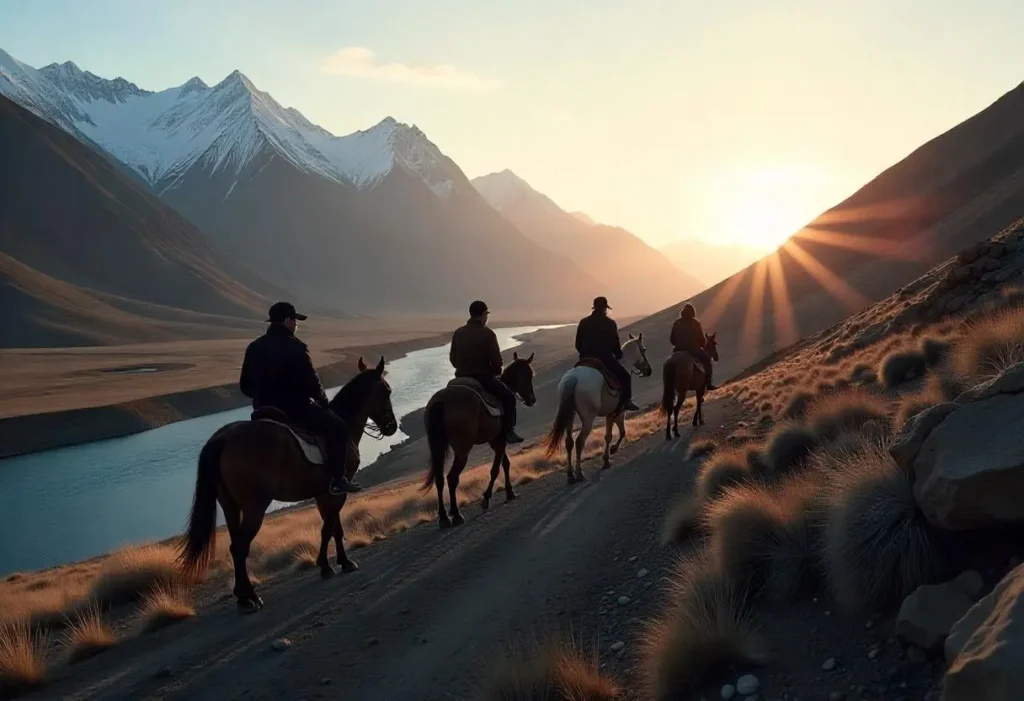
<point x="788" y="447"/>
<point x="902" y="366"/>
<point x="705" y="631"/>
<point x="989" y="346"/>
<point x="721" y="471"/>
<point x="682" y="521"/>
<point x="763" y="537"/>
<point x="847" y="411"/>
<point x="551" y="672"/>
<point x="293" y="549"/>
<point x="22" y="658"/>
<point x="164" y="606"/>
<point x="913" y="404"/>
<point x="88" y="635"/>
<point x="701" y="449"/>
<point x="878" y="546"/>
<point x="129" y="574"/>
<point x="797" y="404"/>
<point x="934" y="350"/>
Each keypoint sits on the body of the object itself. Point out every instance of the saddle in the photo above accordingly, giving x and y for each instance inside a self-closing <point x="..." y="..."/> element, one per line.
<point x="312" y="446"/>
<point x="609" y="378"/>
<point x="679" y="356"/>
<point x="468" y="383"/>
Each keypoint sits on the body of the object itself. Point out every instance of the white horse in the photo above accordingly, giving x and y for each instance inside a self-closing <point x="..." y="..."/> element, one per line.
<point x="583" y="391"/>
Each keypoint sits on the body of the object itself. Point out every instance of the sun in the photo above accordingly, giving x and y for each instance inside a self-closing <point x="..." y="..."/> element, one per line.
<point x="760" y="206"/>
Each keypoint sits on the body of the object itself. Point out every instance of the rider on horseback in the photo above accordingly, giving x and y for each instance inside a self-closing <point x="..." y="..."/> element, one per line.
<point x="597" y="336"/>
<point x="278" y="372"/>
<point x="475" y="353"/>
<point x="688" y="336"/>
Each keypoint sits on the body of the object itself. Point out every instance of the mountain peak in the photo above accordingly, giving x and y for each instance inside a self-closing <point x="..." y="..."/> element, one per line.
<point x="194" y="83"/>
<point x="236" y="80"/>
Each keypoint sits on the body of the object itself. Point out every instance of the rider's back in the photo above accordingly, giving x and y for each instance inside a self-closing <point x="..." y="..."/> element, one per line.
<point x="687" y="334"/>
<point x="475" y="351"/>
<point x="277" y="372"/>
<point x="597" y="336"/>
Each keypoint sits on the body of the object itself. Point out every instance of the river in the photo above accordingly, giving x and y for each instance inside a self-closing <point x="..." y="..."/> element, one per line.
<point x="73" y="503"/>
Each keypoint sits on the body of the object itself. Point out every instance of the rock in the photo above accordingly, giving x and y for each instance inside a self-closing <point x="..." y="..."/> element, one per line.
<point x="624" y="600"/>
<point x="969" y="472"/>
<point x="747" y="684"/>
<point x="829" y="664"/>
<point x="928" y="614"/>
<point x="281" y="644"/>
<point x="1003" y="275"/>
<point x="643" y="573"/>
<point x="912" y="435"/>
<point x="872" y="653"/>
<point x="997" y="249"/>
<point x="617" y="646"/>
<point x="957" y="303"/>
<point x="988" y="264"/>
<point x="986" y="646"/>
<point x="633" y="559"/>
<point x="728" y="692"/>
<point x="1010" y="381"/>
<point x="969" y="255"/>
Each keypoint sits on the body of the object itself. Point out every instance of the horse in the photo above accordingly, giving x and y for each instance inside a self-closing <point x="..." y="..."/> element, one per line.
<point x="456" y="419"/>
<point x="682" y="372"/>
<point x="245" y="465"/>
<point x="584" y="391"/>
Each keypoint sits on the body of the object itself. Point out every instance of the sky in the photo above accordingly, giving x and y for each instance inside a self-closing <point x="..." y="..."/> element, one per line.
<point x="732" y="121"/>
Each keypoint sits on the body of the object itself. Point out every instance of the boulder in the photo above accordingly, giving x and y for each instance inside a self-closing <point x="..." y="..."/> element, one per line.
<point x="985" y="649"/>
<point x="911" y="436"/>
<point x="969" y="473"/>
<point x="969" y="255"/>
<point x="927" y="615"/>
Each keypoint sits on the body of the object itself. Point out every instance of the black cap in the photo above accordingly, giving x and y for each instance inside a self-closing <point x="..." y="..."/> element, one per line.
<point x="601" y="303"/>
<point x="282" y="311"/>
<point x="478" y="308"/>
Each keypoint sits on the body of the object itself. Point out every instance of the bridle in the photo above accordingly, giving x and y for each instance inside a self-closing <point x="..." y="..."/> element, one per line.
<point x="643" y="356"/>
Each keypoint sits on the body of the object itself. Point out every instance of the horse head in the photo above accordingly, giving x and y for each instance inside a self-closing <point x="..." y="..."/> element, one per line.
<point x="711" y="346"/>
<point x="368" y="394"/>
<point x="518" y="377"/>
<point x="634" y="356"/>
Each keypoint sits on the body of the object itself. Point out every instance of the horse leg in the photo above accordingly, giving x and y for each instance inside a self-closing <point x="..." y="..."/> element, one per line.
<point x="458" y="465"/>
<point x="510" y="493"/>
<point x="252" y="518"/>
<point x="326" y="533"/>
<point x="699" y="415"/>
<point x="442" y="515"/>
<point x="587" y="425"/>
<point x="339" y="542"/>
<point x="620" y="421"/>
<point x="570" y="478"/>
<point x="606" y="459"/>
<point x="495" y="469"/>
<point x="680" y="400"/>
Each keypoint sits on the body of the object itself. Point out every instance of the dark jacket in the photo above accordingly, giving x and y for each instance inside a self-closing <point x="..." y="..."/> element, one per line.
<point x="687" y="334"/>
<point x="475" y="350"/>
<point x="597" y="336"/>
<point x="278" y="371"/>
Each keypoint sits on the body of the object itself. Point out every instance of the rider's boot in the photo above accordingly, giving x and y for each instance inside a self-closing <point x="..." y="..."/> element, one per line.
<point x="631" y="405"/>
<point x="511" y="437"/>
<point x="338" y="483"/>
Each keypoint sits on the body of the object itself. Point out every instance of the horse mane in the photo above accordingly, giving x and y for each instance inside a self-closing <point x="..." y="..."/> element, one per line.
<point x="506" y="374"/>
<point x="354" y="392"/>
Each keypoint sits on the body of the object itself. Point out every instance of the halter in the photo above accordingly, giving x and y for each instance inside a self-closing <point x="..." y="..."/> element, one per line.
<point x="643" y="356"/>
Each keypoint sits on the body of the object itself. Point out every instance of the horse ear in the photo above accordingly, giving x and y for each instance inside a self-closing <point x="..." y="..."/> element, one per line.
<point x="515" y="356"/>
<point x="530" y="359"/>
<point x="380" y="366"/>
<point x="362" y="365"/>
<point x="712" y="336"/>
<point x="640" y="337"/>
<point x="631" y="337"/>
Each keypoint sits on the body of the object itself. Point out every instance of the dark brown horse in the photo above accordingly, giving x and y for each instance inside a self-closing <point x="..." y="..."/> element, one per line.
<point x="247" y="464"/>
<point x="456" y="418"/>
<point x="680" y="373"/>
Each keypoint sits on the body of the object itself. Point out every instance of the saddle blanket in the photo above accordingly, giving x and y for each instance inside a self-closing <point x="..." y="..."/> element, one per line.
<point x="469" y="384"/>
<point x="311" y="449"/>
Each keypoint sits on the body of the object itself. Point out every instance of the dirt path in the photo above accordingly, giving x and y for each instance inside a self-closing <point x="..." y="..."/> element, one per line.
<point x="429" y="611"/>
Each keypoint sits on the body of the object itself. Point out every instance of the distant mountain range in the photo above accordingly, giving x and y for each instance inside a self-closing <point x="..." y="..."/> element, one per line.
<point x="635" y="277"/>
<point x="379" y="221"/>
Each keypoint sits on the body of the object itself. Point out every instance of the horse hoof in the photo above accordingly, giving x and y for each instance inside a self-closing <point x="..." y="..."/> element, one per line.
<point x="445" y="523"/>
<point x="349" y="566"/>
<point x="668" y="436"/>
<point x="485" y="503"/>
<point x="511" y="495"/>
<point x="606" y="466"/>
<point x="247" y="606"/>
<point x="458" y="520"/>
<point x="571" y="479"/>
<point x="327" y="572"/>
<point x="614" y="449"/>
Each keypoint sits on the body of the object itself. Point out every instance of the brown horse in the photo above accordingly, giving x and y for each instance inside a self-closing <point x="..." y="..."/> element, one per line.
<point x="456" y="418"/>
<point x="682" y="372"/>
<point x="247" y="464"/>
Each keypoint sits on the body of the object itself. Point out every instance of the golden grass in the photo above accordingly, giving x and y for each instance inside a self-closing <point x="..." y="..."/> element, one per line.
<point x="723" y="469"/>
<point x="163" y="606"/>
<point x="878" y="546"/>
<point x="989" y="346"/>
<point x="130" y="573"/>
<point x="704" y="631"/>
<point x="88" y="635"/>
<point x="902" y="366"/>
<point x="797" y="404"/>
<point x="22" y="658"/>
<point x="911" y="404"/>
<point x="551" y="672"/>
<point x="844" y="411"/>
<point x="788" y="447"/>
<point x="701" y="449"/>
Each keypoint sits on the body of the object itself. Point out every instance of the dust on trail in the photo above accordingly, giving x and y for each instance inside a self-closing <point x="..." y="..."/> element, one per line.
<point x="429" y="611"/>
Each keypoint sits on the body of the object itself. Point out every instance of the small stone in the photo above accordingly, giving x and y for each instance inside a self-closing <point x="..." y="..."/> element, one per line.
<point x="828" y="613"/>
<point x="633" y="559"/>
<point x="747" y="684"/>
<point x="829" y="664"/>
<point x="326" y="681"/>
<point x="617" y="646"/>
<point x="872" y="653"/>
<point x="371" y="642"/>
<point x="869" y="625"/>
<point x="728" y="692"/>
<point x="281" y="644"/>
<point x="624" y="600"/>
<point x="643" y="573"/>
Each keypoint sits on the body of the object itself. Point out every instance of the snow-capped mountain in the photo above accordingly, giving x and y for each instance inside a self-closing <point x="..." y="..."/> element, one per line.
<point x="162" y="134"/>
<point x="378" y="222"/>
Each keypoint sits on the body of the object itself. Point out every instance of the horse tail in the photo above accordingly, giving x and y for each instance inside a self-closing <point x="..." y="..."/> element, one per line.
<point x="563" y="419"/>
<point x="197" y="545"/>
<point x="437" y="439"/>
<point x="668" y="387"/>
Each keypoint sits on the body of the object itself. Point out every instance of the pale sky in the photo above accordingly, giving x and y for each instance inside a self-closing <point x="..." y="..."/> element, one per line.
<point x="732" y="120"/>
